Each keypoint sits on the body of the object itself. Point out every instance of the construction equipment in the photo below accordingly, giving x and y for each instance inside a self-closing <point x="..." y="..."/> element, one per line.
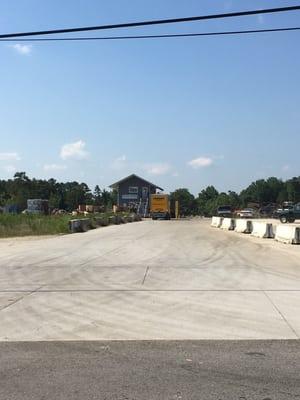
<point x="160" y="206"/>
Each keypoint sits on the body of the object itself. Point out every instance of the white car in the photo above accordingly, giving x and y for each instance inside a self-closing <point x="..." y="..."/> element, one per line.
<point x="246" y="213"/>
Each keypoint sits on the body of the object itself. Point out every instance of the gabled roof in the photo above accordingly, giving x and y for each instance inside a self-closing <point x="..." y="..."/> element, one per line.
<point x="116" y="184"/>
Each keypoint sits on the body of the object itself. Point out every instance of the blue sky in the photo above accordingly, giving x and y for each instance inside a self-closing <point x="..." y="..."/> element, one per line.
<point x="180" y="112"/>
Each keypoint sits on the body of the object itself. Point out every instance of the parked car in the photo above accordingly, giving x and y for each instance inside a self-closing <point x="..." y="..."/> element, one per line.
<point x="267" y="211"/>
<point x="246" y="213"/>
<point x="289" y="214"/>
<point x="288" y="204"/>
<point x="224" y="211"/>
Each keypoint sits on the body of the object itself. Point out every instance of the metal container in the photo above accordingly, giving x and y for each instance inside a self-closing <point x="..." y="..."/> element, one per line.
<point x="11" y="209"/>
<point x="37" y="206"/>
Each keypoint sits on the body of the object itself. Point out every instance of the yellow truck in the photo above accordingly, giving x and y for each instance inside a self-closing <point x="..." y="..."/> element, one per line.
<point x="160" y="206"/>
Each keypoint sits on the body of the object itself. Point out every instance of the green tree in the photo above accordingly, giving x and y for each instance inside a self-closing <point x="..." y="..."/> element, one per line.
<point x="75" y="194"/>
<point x="19" y="190"/>
<point x="206" y="200"/>
<point x="275" y="186"/>
<point x="54" y="200"/>
<point x="97" y="195"/>
<point x="105" y="198"/>
<point x="187" y="204"/>
<point x="293" y="189"/>
<point x="21" y="177"/>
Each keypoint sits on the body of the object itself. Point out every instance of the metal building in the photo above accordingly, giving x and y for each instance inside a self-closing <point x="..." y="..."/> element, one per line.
<point x="134" y="192"/>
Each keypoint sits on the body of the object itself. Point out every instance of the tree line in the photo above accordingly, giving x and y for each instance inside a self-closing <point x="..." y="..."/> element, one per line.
<point x="263" y="192"/>
<point x="69" y="195"/>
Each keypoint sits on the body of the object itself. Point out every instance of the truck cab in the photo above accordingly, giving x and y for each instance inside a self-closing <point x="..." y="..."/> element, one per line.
<point x="289" y="214"/>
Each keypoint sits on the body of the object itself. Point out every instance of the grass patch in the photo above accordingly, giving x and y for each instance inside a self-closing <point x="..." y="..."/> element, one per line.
<point x="12" y="225"/>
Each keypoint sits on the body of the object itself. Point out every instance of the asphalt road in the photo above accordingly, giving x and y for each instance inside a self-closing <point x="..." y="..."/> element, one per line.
<point x="153" y="280"/>
<point x="160" y="370"/>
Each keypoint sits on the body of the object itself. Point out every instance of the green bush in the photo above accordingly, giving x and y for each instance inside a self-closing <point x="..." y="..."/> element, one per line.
<point x="28" y="225"/>
<point x="23" y="225"/>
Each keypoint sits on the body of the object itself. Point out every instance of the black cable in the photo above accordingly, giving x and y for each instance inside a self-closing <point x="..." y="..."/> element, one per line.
<point x="152" y="22"/>
<point x="176" y="35"/>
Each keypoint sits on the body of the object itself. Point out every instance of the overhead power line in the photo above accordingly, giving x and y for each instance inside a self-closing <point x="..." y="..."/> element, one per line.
<point x="163" y="36"/>
<point x="153" y="22"/>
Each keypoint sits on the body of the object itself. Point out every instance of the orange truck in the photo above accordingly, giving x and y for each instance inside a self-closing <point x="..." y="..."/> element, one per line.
<point x="160" y="206"/>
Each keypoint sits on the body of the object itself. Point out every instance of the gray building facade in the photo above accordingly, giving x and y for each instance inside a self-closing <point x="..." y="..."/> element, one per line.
<point x="134" y="192"/>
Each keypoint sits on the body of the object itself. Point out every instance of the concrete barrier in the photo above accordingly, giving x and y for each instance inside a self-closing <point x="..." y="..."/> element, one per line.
<point x="83" y="225"/>
<point x="112" y="220"/>
<point x="118" y="220"/>
<point x="135" y="217"/>
<point x="262" y="229"/>
<point x="79" y="225"/>
<point x="216" y="222"/>
<point x="243" y="226"/>
<point x="228" y="224"/>
<point x="102" y="221"/>
<point x="122" y="220"/>
<point x="129" y="218"/>
<point x="288" y="234"/>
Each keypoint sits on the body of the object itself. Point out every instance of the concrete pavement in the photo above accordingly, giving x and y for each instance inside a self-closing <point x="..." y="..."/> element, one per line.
<point x="171" y="280"/>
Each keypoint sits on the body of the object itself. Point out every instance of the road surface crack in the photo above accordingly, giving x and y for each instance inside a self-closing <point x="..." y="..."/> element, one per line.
<point x="20" y="298"/>
<point x="282" y="316"/>
<point x="145" y="276"/>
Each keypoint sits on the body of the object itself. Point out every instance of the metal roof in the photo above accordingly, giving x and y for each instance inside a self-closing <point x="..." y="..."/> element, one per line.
<point x="116" y="184"/>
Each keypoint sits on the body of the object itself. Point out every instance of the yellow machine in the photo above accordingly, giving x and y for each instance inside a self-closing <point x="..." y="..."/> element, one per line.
<point x="160" y="206"/>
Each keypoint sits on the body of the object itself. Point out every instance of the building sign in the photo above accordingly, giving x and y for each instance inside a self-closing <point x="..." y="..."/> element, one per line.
<point x="133" y="189"/>
<point x="129" y="196"/>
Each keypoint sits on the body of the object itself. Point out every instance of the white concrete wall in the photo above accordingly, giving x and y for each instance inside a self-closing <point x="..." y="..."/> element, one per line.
<point x="243" y="226"/>
<point x="262" y="229"/>
<point x="288" y="234"/>
<point x="228" y="224"/>
<point x="216" y="222"/>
